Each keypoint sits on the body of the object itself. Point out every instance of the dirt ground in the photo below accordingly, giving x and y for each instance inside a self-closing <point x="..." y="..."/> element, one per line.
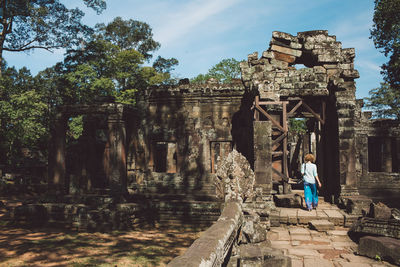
<point x="51" y="247"/>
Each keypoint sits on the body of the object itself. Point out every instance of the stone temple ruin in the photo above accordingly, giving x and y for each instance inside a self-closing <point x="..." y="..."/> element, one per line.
<point x="157" y="162"/>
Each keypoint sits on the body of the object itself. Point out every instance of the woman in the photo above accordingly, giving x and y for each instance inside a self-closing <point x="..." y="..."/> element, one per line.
<point x="309" y="172"/>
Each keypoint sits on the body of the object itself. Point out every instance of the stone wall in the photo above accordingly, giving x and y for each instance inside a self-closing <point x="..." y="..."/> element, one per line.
<point x="378" y="156"/>
<point x="181" y="133"/>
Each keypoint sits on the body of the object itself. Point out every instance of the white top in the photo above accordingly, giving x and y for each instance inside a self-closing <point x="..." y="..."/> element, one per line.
<point x="309" y="171"/>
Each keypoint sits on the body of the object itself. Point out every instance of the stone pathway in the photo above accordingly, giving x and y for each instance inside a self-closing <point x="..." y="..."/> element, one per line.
<point x="291" y="233"/>
<point x="325" y="211"/>
<point x="310" y="248"/>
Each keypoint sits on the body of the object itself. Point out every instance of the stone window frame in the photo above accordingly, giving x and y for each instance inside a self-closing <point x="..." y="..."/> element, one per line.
<point x="383" y="150"/>
<point x="168" y="168"/>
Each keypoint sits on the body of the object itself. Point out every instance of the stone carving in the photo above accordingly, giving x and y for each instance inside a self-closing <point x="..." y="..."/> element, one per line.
<point x="234" y="178"/>
<point x="381" y="221"/>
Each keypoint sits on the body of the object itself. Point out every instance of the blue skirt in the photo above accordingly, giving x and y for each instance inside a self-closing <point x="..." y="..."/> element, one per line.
<point x="310" y="195"/>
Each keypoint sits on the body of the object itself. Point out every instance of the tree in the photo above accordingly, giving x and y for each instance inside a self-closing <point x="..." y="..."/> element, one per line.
<point x="128" y="34"/>
<point x="223" y="72"/>
<point x="109" y="63"/>
<point x="43" y="24"/>
<point x="22" y="115"/>
<point x="384" y="102"/>
<point x="386" y="36"/>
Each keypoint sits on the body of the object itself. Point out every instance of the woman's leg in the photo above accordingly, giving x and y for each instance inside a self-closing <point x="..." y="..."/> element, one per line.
<point x="314" y="193"/>
<point x="308" y="197"/>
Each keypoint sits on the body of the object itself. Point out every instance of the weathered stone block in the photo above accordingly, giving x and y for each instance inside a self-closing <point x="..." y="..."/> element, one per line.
<point x="321" y="225"/>
<point x="252" y="57"/>
<point x="283" y="36"/>
<point x="386" y="248"/>
<point x="380" y="211"/>
<point x="319" y="69"/>
<point x="254" y="232"/>
<point x="286" y="50"/>
<point x="267" y="54"/>
<point x="284" y="57"/>
<point x="288" y="200"/>
<point x="328" y="58"/>
<point x="295" y="45"/>
<point x="278" y="64"/>
<point x="282" y="74"/>
<point x="366" y="225"/>
<point x="346" y="73"/>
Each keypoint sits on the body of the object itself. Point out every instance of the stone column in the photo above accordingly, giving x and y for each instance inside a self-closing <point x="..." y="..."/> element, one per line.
<point x="56" y="160"/>
<point x="347" y="147"/>
<point x="387" y="154"/>
<point x="262" y="156"/>
<point x="116" y="169"/>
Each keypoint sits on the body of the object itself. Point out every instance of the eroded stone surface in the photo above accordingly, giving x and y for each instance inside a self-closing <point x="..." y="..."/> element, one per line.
<point x="235" y="178"/>
<point x="385" y="248"/>
<point x="321" y="225"/>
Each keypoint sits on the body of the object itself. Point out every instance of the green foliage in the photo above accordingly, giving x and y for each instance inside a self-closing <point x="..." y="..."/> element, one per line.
<point x="111" y="64"/>
<point x="297" y="126"/>
<point x="223" y="72"/>
<point x="386" y="35"/>
<point x="384" y="102"/>
<point x="23" y="114"/>
<point x="129" y="34"/>
<point x="75" y="127"/>
<point x="43" y="24"/>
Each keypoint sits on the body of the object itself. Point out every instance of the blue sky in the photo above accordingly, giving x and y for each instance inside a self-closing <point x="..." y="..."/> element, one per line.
<point x="200" y="33"/>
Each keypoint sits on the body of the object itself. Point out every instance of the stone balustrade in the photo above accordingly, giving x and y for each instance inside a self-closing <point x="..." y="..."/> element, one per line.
<point x="214" y="244"/>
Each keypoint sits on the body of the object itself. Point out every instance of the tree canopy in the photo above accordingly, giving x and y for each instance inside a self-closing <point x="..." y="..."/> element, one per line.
<point x="385" y="33"/>
<point x="224" y="71"/>
<point x="42" y="24"/>
<point x="109" y="62"/>
<point x="385" y="100"/>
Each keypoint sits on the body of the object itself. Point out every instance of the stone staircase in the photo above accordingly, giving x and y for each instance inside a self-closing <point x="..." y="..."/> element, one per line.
<point x="301" y="216"/>
<point x="177" y="209"/>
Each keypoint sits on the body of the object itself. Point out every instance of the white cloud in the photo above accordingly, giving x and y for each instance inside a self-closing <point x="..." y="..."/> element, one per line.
<point x="185" y="19"/>
<point x="368" y="65"/>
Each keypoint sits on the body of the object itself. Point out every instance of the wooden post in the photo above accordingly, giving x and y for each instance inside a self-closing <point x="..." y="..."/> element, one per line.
<point x="284" y="148"/>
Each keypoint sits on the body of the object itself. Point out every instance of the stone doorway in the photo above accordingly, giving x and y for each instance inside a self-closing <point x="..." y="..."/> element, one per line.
<point x="323" y="90"/>
<point x="297" y="128"/>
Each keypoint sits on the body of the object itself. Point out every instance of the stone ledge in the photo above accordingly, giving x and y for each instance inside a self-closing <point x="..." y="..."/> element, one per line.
<point x="214" y="244"/>
<point x="385" y="248"/>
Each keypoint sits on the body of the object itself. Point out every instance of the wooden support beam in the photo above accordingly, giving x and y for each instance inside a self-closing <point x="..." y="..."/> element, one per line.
<point x="283" y="176"/>
<point x="272" y="102"/>
<point x="295" y="107"/>
<point x="280" y="138"/>
<point x="269" y="117"/>
<point x="313" y="112"/>
<point x="284" y="146"/>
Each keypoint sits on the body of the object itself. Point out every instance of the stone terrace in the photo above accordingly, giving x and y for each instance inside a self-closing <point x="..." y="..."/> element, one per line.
<point x="311" y="248"/>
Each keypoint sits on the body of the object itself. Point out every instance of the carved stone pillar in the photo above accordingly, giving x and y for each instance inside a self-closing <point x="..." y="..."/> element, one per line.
<point x="387" y="155"/>
<point x="115" y="155"/>
<point x="56" y="179"/>
<point x="262" y="156"/>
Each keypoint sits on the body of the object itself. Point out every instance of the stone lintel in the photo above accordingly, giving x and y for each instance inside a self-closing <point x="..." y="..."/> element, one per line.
<point x="286" y="50"/>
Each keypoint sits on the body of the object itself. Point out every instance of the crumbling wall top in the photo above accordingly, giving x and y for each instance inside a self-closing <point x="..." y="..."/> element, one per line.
<point x="275" y="75"/>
